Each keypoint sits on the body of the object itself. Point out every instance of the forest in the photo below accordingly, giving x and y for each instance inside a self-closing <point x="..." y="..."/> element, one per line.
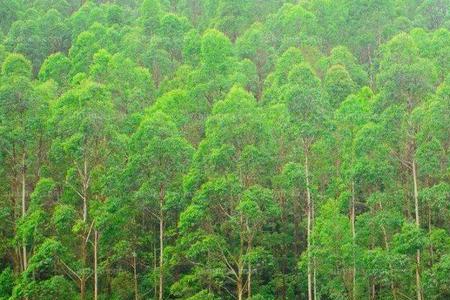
<point x="224" y="149"/>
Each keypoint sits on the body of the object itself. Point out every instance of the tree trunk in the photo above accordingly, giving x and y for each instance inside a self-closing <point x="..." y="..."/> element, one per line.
<point x="386" y="245"/>
<point x="155" y="267"/>
<point x="416" y="208"/>
<point x="95" y="264"/>
<point x="85" y="240"/>
<point x="249" y="274"/>
<point x="24" y="210"/>
<point x="239" y="288"/>
<point x="313" y="257"/>
<point x="161" y="242"/>
<point x="83" y="288"/>
<point x="309" y="226"/>
<point x="352" y="217"/>
<point x="136" y="294"/>
<point x="429" y="232"/>
<point x="84" y="194"/>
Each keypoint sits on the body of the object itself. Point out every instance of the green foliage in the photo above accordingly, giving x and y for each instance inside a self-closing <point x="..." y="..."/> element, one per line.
<point x="224" y="149"/>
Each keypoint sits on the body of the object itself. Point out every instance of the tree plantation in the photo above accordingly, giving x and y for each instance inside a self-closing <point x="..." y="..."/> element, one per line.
<point x="224" y="149"/>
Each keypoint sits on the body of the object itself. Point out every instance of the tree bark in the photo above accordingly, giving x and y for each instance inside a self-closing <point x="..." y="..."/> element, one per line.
<point x="95" y="264"/>
<point x="24" y="210"/>
<point x="83" y="288"/>
<point x="309" y="226"/>
<point x="85" y="241"/>
<point x="386" y="245"/>
<point x="239" y="287"/>
<point x="85" y="188"/>
<point x="352" y="217"/>
<point x="136" y="293"/>
<point x="249" y="274"/>
<point x="161" y="242"/>
<point x="416" y="208"/>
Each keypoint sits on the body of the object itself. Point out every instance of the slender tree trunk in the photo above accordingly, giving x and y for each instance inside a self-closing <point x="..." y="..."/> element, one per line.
<point x="83" y="288"/>
<point x="161" y="243"/>
<point x="373" y="292"/>
<point x="309" y="226"/>
<point x="95" y="264"/>
<point x="352" y="217"/>
<point x="249" y="275"/>
<point x="239" y="286"/>
<point x="136" y="293"/>
<point x="386" y="245"/>
<point x="85" y="241"/>
<point x="24" y="210"/>
<point x="429" y="232"/>
<point x="155" y="267"/>
<point x="416" y="208"/>
<point x="85" y="188"/>
<point x="313" y="257"/>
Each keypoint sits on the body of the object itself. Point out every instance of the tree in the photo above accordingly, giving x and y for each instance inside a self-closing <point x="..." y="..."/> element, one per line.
<point x="159" y="157"/>
<point x="21" y="113"/>
<point x="305" y="103"/>
<point x="223" y="183"/>
<point x="82" y="122"/>
<point x="413" y="80"/>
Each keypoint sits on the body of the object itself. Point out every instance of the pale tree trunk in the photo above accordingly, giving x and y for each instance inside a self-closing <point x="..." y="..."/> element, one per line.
<point x="83" y="288"/>
<point x="95" y="264"/>
<point x="352" y="217"/>
<point x="249" y="281"/>
<point x="136" y="294"/>
<point x="24" y="210"/>
<point x="416" y="208"/>
<point x="313" y="257"/>
<point x="239" y="285"/>
<point x="85" y="188"/>
<point x="386" y="244"/>
<point x="249" y="275"/>
<point x="161" y="243"/>
<point x="84" y="194"/>
<point x="155" y="267"/>
<point x="309" y="227"/>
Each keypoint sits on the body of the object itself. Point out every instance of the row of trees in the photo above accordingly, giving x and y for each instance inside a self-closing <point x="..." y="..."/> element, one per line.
<point x="224" y="150"/>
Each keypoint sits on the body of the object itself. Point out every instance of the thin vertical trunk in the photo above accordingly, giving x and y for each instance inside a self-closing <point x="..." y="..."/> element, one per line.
<point x="373" y="292"/>
<point x="309" y="226"/>
<point x="386" y="245"/>
<point x="24" y="210"/>
<point x="416" y="208"/>
<point x="95" y="264"/>
<point x="429" y="232"/>
<point x="155" y="266"/>
<point x="85" y="241"/>
<point x="83" y="288"/>
<point x="313" y="257"/>
<point x="352" y="216"/>
<point x="239" y="285"/>
<point x="85" y="188"/>
<point x="249" y="274"/>
<point x="136" y="294"/>
<point x="249" y="281"/>
<point x="161" y="242"/>
<point x="240" y="263"/>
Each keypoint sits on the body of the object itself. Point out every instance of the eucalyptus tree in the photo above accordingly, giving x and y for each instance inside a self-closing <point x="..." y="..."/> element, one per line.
<point x="82" y="123"/>
<point x="307" y="105"/>
<point x="159" y="157"/>
<point x="22" y="128"/>
<point x="407" y="79"/>
<point x="227" y="182"/>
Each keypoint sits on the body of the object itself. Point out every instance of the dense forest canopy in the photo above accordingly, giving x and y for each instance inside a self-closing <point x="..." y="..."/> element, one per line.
<point x="224" y="149"/>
